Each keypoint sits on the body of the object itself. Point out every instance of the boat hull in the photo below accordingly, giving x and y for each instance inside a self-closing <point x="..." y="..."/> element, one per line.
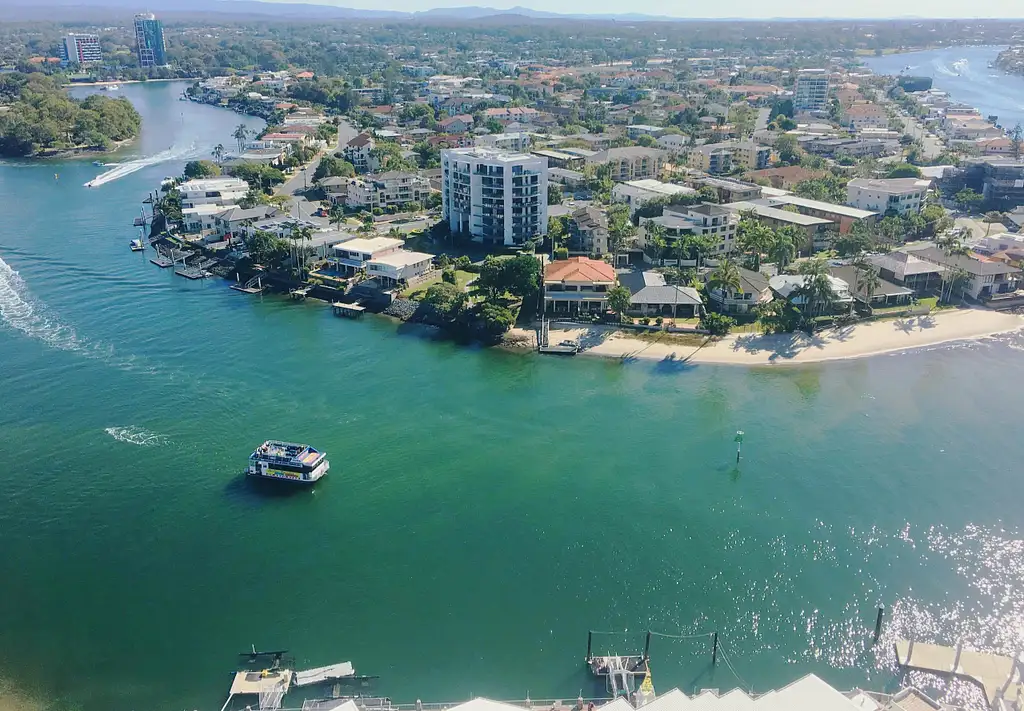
<point x="290" y="477"/>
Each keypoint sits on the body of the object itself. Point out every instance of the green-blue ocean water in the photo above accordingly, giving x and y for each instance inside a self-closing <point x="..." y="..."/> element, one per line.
<point x="484" y="509"/>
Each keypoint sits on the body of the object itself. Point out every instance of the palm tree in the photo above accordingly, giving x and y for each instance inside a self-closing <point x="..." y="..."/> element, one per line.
<point x="218" y="152"/>
<point x="726" y="277"/>
<point x="952" y="245"/>
<point x="866" y="276"/>
<point x="991" y="218"/>
<point x="655" y="241"/>
<point x="754" y="239"/>
<point x="620" y="233"/>
<point x="783" y="249"/>
<point x="241" y="133"/>
<point x="817" y="287"/>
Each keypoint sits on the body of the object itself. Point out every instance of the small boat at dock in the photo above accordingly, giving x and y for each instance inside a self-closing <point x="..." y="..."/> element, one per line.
<point x="136" y="245"/>
<point x="289" y="461"/>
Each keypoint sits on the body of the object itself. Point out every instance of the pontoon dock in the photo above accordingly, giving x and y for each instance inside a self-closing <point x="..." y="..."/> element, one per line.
<point x="994" y="674"/>
<point x="348" y="310"/>
<point x="319" y="675"/>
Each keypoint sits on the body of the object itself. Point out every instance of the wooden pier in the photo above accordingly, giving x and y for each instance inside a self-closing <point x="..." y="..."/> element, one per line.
<point x="162" y="261"/>
<point x="995" y="674"/>
<point x="563" y="348"/>
<point x="300" y="293"/>
<point x="348" y="310"/>
<point x="192" y="272"/>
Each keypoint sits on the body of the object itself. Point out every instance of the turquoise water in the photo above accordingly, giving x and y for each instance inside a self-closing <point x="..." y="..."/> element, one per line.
<point x="964" y="72"/>
<point x="484" y="509"/>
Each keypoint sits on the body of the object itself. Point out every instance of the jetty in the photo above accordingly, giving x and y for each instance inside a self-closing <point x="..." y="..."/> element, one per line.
<point x="621" y="672"/>
<point x="300" y="293"/>
<point x="271" y="684"/>
<point x="162" y="261"/>
<point x="253" y="286"/>
<point x="995" y="674"/>
<point x="544" y="344"/>
<point x="348" y="310"/>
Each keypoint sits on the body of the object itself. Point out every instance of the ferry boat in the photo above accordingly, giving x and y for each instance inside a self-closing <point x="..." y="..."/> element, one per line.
<point x="299" y="463"/>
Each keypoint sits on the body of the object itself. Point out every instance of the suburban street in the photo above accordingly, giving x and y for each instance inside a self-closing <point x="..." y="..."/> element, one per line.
<point x="303" y="177"/>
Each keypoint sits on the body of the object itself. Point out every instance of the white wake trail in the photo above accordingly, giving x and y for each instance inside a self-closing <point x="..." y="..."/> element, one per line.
<point x="136" y="435"/>
<point x="20" y="311"/>
<point x="132" y="166"/>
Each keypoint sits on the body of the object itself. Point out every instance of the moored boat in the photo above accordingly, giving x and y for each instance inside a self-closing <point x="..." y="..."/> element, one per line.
<point x="136" y="245"/>
<point x="289" y="461"/>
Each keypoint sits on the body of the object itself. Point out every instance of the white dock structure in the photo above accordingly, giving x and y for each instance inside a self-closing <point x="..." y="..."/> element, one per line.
<point x="269" y="685"/>
<point x="996" y="675"/>
<point x="319" y="675"/>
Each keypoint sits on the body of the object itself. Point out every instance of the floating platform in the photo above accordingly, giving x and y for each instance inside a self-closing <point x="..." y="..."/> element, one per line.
<point x="563" y="348"/>
<point x="319" y="675"/>
<point x="192" y="273"/>
<point x="300" y="293"/>
<point x="246" y="289"/>
<point x="994" y="674"/>
<point x="348" y="310"/>
<point x="162" y="261"/>
<point x="255" y="682"/>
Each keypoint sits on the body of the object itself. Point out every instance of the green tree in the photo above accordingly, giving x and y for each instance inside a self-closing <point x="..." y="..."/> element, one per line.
<point x="726" y="277"/>
<point x="778" y="316"/>
<point x="904" y="170"/>
<point x="218" y="152"/>
<point x="330" y="166"/>
<point x="788" y="149"/>
<point x="952" y="245"/>
<point x="619" y="299"/>
<point x="655" y="240"/>
<point x="754" y="239"/>
<point x="1016" y="140"/>
<point x="891" y="228"/>
<point x="967" y="199"/>
<point x="446" y="298"/>
<point x="817" y="289"/>
<point x="554" y="194"/>
<point x="783" y="248"/>
<point x="495" y="319"/>
<point x="991" y="218"/>
<point x="240" y="135"/>
<point x="716" y="324"/>
<point x="201" y="169"/>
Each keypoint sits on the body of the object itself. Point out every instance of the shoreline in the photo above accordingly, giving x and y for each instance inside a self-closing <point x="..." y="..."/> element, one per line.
<point x="862" y="340"/>
<point x="72" y="85"/>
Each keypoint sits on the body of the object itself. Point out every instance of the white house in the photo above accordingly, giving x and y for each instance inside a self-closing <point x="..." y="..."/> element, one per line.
<point x="358" y="152"/>
<point x="636" y="193"/>
<point x="400" y="265"/>
<point x="212" y="191"/>
<point x="200" y="218"/>
<point x="903" y="196"/>
<point x="354" y="254"/>
<point x="788" y="287"/>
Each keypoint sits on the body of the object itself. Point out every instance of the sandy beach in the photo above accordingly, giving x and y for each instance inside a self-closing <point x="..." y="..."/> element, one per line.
<point x="857" y="341"/>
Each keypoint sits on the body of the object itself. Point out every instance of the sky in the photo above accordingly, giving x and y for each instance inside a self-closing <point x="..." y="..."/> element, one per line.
<point x="742" y="9"/>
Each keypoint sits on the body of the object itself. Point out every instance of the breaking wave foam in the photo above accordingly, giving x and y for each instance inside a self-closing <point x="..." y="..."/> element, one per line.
<point x="136" y="435"/>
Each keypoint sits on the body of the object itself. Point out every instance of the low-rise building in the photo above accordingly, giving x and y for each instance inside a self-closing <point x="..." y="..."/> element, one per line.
<point x="636" y="130"/>
<point x="902" y="196"/>
<point x="986" y="279"/>
<point x="865" y="115"/>
<point x="636" y="193"/>
<point x="358" y="152"/>
<point x="577" y="285"/>
<point x="212" y="191"/>
<point x="884" y="294"/>
<point x="652" y="296"/>
<point x="459" y="123"/>
<point x="588" y="231"/>
<point x="398" y="266"/>
<point x="815" y="229"/>
<point x="630" y="163"/>
<point x="678" y="221"/>
<point x="904" y="269"/>
<point x="518" y="141"/>
<point x="790" y="287"/>
<point x="754" y="290"/>
<point x="730" y="190"/>
<point x="392" y="188"/>
<point x="354" y="254"/>
<point x="842" y="215"/>
<point x="568" y="178"/>
<point x="710" y="158"/>
<point x="785" y="177"/>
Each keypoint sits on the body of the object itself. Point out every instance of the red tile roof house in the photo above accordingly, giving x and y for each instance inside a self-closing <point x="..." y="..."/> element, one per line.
<point x="577" y="284"/>
<point x="456" y="124"/>
<point x="304" y="75"/>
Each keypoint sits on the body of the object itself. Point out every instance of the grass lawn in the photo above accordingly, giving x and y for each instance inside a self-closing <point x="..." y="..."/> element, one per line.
<point x="416" y="292"/>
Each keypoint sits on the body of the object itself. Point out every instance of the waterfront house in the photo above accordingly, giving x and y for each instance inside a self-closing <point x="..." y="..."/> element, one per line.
<point x="652" y="296"/>
<point x="885" y="294"/>
<point x="754" y="290"/>
<point x="903" y="268"/>
<point x="201" y="218"/>
<point x="234" y="221"/>
<point x="986" y="279"/>
<point x="398" y="266"/>
<point x="577" y="284"/>
<point x="352" y="255"/>
<point x="790" y="287"/>
<point x="212" y="191"/>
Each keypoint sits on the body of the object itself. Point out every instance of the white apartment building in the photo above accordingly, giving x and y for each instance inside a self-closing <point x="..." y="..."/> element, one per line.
<point x="385" y="189"/>
<point x="811" y="92"/>
<point x="861" y="116"/>
<point x="703" y="219"/>
<point x="497" y="198"/>
<point x="400" y="265"/>
<point x="212" y="191"/>
<point x="358" y="152"/>
<point x="516" y="141"/>
<point x="80" y="49"/>
<point x="904" y="196"/>
<point x="636" y="193"/>
<point x="355" y="254"/>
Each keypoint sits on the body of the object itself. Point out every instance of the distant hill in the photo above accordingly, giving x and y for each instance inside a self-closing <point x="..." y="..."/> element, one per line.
<point x="72" y="10"/>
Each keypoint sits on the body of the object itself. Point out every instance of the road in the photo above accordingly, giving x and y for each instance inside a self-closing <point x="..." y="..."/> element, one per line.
<point x="303" y="177"/>
<point x="931" y="145"/>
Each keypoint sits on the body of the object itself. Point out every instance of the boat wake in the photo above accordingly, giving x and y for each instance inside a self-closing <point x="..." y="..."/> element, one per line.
<point x="120" y="170"/>
<point x="20" y="311"/>
<point x="137" y="436"/>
